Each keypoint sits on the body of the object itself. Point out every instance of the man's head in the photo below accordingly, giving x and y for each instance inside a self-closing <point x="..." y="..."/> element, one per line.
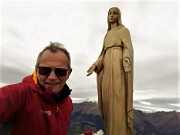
<point x="53" y="67"/>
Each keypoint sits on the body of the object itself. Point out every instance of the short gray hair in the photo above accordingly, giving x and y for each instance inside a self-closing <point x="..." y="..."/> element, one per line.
<point x="54" y="47"/>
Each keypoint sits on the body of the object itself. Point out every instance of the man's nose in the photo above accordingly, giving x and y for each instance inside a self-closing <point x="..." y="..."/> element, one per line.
<point x="52" y="75"/>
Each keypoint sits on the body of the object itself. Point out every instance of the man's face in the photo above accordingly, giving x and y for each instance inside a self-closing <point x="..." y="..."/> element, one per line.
<point x="54" y="79"/>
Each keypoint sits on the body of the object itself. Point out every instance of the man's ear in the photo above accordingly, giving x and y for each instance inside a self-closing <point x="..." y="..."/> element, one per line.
<point x="69" y="72"/>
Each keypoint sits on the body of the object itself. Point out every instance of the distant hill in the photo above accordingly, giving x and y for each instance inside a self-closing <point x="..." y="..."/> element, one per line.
<point x="86" y="116"/>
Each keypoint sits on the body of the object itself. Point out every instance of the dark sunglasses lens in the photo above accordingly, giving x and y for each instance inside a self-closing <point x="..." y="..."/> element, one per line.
<point x="60" y="72"/>
<point x="44" y="71"/>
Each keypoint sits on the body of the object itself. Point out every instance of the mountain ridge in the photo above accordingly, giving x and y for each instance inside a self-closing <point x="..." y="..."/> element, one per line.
<point x="86" y="116"/>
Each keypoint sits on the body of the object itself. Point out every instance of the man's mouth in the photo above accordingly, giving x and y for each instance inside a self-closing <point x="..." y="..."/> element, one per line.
<point x="51" y="84"/>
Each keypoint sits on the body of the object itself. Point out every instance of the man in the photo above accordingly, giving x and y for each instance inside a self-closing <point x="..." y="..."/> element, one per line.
<point x="40" y="104"/>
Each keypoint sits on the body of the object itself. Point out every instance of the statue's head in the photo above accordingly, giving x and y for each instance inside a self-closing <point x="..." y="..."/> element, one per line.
<point x="116" y="11"/>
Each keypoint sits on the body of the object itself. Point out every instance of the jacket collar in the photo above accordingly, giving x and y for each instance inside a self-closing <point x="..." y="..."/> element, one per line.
<point x="47" y="94"/>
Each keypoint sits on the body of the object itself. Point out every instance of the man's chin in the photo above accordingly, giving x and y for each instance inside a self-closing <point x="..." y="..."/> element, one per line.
<point x="55" y="90"/>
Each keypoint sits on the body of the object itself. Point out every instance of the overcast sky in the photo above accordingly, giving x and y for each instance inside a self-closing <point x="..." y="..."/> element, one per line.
<point x="27" y="27"/>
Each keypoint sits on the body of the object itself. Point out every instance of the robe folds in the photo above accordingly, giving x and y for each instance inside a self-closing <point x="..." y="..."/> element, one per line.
<point x="115" y="82"/>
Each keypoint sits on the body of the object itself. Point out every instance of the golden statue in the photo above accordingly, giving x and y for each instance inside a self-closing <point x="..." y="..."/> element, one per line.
<point x="114" y="68"/>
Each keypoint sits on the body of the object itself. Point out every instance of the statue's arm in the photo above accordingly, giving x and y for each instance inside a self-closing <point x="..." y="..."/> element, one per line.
<point x="127" y="50"/>
<point x="96" y="66"/>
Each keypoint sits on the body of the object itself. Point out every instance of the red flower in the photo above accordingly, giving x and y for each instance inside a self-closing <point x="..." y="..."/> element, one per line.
<point x="88" y="132"/>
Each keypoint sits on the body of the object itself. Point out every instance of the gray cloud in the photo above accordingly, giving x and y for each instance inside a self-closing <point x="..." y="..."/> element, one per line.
<point x="158" y="104"/>
<point x="10" y="74"/>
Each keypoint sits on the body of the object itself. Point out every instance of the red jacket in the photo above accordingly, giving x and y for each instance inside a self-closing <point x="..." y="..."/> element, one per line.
<point x="27" y="110"/>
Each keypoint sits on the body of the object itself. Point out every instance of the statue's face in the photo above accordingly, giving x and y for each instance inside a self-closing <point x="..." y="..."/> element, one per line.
<point x="113" y="15"/>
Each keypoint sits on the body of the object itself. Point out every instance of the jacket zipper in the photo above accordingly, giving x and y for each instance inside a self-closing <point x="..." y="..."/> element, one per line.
<point x="56" y="114"/>
<point x="57" y="109"/>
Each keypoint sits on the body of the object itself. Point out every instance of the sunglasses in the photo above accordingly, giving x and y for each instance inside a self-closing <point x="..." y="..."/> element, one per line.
<point x="60" y="72"/>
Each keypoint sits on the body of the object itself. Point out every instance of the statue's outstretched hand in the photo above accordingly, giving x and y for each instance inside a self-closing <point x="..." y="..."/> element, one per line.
<point x="91" y="69"/>
<point x="127" y="64"/>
